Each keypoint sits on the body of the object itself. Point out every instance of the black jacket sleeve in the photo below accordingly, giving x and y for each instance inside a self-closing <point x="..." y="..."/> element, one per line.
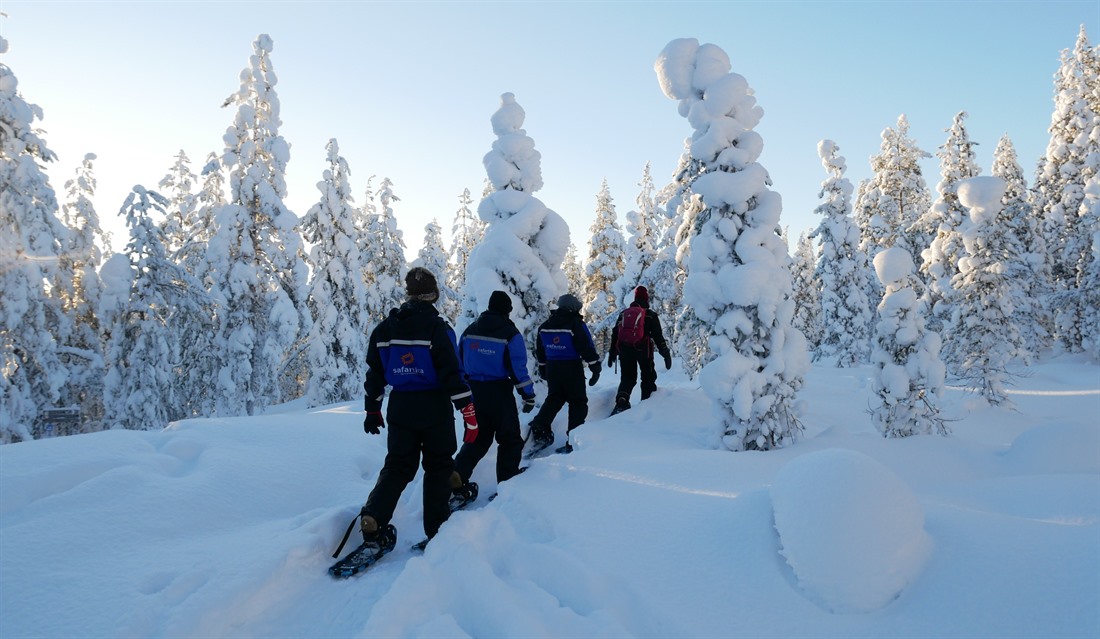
<point x="448" y="369"/>
<point x="653" y="326"/>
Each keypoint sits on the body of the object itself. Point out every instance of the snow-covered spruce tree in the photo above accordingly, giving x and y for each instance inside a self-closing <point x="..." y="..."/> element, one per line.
<point x="983" y="326"/>
<point x="31" y="320"/>
<point x="896" y="195"/>
<point x="1089" y="291"/>
<point x="1025" y="254"/>
<point x="337" y="344"/>
<point x="466" y="231"/>
<point x="80" y="287"/>
<point x="603" y="270"/>
<point x="140" y="387"/>
<point x="642" y="228"/>
<point x="690" y="334"/>
<point x="433" y="257"/>
<point x="260" y="276"/>
<point x="738" y="280"/>
<point x="178" y="186"/>
<point x="842" y="268"/>
<point x="571" y="267"/>
<point x="666" y="274"/>
<point x="807" y="291"/>
<point x="939" y="230"/>
<point x="1070" y="160"/>
<point x="909" y="374"/>
<point x="383" y="254"/>
<point x="525" y="242"/>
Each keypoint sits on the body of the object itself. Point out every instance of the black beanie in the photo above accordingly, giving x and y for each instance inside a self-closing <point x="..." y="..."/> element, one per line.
<point x="420" y="285"/>
<point x="641" y="296"/>
<point x="500" y="302"/>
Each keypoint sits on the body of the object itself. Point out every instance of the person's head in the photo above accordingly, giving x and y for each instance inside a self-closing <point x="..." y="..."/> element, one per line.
<point x="420" y="284"/>
<point x="569" y="303"/>
<point x="500" y="302"/>
<point x="641" y="296"/>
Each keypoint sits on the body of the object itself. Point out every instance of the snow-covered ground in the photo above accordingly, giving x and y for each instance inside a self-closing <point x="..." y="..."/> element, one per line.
<point x="223" y="528"/>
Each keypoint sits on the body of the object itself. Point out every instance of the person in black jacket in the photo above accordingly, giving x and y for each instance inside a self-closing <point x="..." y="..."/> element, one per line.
<point x="639" y="353"/>
<point x="563" y="348"/>
<point x="494" y="357"/>
<point x="415" y="353"/>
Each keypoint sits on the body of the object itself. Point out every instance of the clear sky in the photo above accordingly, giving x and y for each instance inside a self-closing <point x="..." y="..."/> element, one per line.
<point x="407" y="88"/>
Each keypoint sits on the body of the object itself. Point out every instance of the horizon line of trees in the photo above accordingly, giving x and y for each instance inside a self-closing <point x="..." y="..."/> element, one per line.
<point x="223" y="302"/>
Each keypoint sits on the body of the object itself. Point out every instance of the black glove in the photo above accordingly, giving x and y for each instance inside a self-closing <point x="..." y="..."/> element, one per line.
<point x="373" y="422"/>
<point x="668" y="360"/>
<point x="595" y="368"/>
<point x="528" y="403"/>
<point x="542" y="370"/>
<point x="610" y="360"/>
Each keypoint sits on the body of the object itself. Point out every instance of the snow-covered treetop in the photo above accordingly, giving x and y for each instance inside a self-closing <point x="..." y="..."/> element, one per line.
<point x="513" y="163"/>
<point x="982" y="195"/>
<point x="893" y="265"/>
<point x="717" y="103"/>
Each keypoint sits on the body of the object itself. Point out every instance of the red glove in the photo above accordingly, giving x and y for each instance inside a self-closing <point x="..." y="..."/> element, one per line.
<point x="469" y="415"/>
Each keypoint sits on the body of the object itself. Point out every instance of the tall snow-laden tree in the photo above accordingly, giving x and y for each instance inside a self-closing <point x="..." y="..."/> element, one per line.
<point x="574" y="272"/>
<point x="807" y="291"/>
<point x="1025" y="253"/>
<point x="603" y="270"/>
<point x="31" y="320"/>
<point x="738" y="278"/>
<point x="433" y="257"/>
<point x="140" y="387"/>
<point x="896" y="195"/>
<point x="909" y="374"/>
<point x="1072" y="158"/>
<point x="643" y="226"/>
<point x="80" y="288"/>
<point x="337" y="344"/>
<point x="384" y="265"/>
<point x="983" y="325"/>
<point x="842" y="268"/>
<point x="666" y="274"/>
<point x="525" y="241"/>
<point x="466" y="231"/>
<point x="178" y="186"/>
<point x="255" y="252"/>
<point x="938" y="232"/>
<point x="1089" y="292"/>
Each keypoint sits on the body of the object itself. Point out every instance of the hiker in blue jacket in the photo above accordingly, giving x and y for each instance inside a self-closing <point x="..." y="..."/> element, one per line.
<point x="564" y="347"/>
<point x="494" y="357"/>
<point x="636" y="334"/>
<point x="414" y="351"/>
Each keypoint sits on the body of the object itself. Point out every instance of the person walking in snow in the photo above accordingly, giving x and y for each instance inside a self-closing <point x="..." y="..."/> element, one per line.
<point x="494" y="356"/>
<point x="636" y="334"/>
<point x="414" y="351"/>
<point x="563" y="348"/>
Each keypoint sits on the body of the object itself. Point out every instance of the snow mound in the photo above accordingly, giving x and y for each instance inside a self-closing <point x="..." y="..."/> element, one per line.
<point x="852" y="530"/>
<point x="1056" y="448"/>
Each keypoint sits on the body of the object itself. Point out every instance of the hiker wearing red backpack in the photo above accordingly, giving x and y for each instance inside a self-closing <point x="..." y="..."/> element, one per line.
<point x="636" y="334"/>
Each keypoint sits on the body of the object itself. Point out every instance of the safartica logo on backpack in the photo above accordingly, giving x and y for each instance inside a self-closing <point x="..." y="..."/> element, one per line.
<point x="408" y="366"/>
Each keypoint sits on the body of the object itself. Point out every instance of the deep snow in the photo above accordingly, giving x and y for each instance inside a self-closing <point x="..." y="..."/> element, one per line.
<point x="223" y="528"/>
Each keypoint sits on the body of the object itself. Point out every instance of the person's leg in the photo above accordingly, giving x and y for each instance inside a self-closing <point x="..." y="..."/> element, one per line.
<point x="399" y="468"/>
<point x="649" y="376"/>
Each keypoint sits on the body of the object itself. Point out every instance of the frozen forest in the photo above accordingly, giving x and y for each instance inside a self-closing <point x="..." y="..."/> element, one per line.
<point x="223" y="302"/>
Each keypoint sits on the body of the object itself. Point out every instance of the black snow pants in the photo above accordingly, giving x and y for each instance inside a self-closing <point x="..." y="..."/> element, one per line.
<point x="419" y="423"/>
<point x="630" y="361"/>
<point x="497" y="418"/>
<point x="565" y="384"/>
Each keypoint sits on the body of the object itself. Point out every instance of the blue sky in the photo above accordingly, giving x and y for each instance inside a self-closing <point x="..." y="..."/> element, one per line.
<point x="408" y="88"/>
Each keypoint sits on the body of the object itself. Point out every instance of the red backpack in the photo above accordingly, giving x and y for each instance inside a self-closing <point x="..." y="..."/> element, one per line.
<point x="632" y="327"/>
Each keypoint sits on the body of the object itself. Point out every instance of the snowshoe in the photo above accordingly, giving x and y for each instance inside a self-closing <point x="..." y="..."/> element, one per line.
<point x="564" y="450"/>
<point x="373" y="548"/>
